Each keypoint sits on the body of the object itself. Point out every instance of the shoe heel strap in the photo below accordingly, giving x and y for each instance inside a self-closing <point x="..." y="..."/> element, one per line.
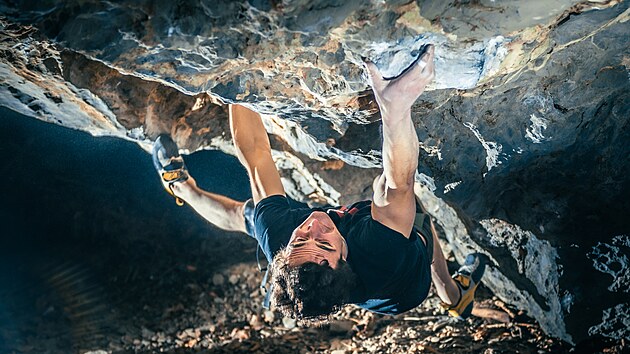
<point x="175" y="175"/>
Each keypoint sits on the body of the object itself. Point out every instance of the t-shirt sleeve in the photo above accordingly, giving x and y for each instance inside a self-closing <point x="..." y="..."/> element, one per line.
<point x="374" y="239"/>
<point x="274" y="221"/>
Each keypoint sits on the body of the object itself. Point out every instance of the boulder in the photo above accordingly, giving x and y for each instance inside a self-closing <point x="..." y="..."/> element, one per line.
<point x="524" y="133"/>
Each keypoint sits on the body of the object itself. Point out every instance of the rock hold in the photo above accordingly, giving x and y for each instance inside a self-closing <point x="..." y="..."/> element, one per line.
<point x="522" y="131"/>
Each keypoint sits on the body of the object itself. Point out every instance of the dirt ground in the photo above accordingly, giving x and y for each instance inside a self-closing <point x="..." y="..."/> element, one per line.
<point x="153" y="296"/>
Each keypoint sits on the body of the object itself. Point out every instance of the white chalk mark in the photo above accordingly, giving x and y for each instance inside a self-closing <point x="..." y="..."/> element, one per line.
<point x="535" y="130"/>
<point x="449" y="187"/>
<point x="493" y="150"/>
<point x="431" y="150"/>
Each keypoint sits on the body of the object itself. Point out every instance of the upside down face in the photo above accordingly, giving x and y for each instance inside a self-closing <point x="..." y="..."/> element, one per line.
<point x="317" y="240"/>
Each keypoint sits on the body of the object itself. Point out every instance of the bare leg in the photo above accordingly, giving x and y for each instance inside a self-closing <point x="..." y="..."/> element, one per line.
<point x="223" y="212"/>
<point x="445" y="286"/>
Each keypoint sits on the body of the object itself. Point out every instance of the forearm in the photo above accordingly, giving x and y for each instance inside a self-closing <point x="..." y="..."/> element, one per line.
<point x="254" y="152"/>
<point x="248" y="133"/>
<point x="400" y="150"/>
<point x="393" y="201"/>
<point x="221" y="211"/>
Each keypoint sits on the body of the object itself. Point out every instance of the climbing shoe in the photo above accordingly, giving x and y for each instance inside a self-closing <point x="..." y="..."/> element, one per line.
<point x="467" y="278"/>
<point x="169" y="164"/>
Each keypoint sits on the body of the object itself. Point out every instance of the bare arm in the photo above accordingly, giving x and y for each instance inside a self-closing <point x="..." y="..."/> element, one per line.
<point x="254" y="152"/>
<point x="223" y="212"/>
<point x="393" y="203"/>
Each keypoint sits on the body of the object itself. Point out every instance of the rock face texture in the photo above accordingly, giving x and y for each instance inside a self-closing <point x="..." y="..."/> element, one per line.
<point x="524" y="134"/>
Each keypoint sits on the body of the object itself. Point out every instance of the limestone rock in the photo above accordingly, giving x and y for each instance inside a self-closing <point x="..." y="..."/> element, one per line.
<point x="525" y="130"/>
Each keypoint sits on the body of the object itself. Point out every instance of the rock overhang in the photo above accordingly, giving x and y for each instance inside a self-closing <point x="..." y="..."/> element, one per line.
<point x="531" y="99"/>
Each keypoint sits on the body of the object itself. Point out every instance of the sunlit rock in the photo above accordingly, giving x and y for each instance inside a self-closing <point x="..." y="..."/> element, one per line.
<point x="524" y="133"/>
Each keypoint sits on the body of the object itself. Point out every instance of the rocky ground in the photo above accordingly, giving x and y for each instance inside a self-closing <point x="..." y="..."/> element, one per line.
<point x="225" y="316"/>
<point x="181" y="293"/>
<point x="177" y="307"/>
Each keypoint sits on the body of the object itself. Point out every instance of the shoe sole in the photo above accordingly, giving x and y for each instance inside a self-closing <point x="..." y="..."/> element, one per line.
<point x="174" y="173"/>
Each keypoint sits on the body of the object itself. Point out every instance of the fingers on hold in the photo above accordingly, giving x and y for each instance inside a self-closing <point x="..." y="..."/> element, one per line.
<point x="421" y="65"/>
<point x="426" y="61"/>
<point x="373" y="73"/>
<point x="372" y="70"/>
<point x="428" y="54"/>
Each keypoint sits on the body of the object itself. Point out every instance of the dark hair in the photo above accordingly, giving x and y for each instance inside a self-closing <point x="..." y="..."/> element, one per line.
<point x="310" y="291"/>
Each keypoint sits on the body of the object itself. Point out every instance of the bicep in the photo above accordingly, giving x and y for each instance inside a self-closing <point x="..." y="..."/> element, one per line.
<point x="393" y="207"/>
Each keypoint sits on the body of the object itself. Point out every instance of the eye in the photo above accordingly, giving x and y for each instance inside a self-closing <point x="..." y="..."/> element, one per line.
<point x="297" y="244"/>
<point x="325" y="246"/>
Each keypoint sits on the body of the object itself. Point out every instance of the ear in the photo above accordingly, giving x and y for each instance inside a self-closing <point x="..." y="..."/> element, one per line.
<point x="344" y="249"/>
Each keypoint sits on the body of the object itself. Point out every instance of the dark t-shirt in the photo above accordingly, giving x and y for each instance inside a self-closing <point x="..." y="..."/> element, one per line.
<point x="393" y="271"/>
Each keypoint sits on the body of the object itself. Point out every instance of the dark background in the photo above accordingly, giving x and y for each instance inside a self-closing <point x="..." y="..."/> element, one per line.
<point x="85" y="222"/>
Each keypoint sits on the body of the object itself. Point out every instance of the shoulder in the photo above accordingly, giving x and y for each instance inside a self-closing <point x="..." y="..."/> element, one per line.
<point x="272" y="202"/>
<point x="372" y="236"/>
<point x="274" y="221"/>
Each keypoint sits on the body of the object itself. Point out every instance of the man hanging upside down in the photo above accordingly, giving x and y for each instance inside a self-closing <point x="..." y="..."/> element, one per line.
<point x="380" y="255"/>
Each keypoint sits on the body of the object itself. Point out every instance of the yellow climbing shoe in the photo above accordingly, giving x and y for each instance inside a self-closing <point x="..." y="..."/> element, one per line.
<point x="169" y="164"/>
<point x="467" y="278"/>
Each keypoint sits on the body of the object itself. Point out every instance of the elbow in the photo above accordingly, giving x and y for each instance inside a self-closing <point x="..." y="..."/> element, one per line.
<point x="400" y="186"/>
<point x="401" y="179"/>
<point x="400" y="183"/>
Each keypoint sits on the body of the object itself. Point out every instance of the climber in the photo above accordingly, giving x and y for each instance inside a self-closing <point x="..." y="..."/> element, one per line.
<point x="380" y="255"/>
